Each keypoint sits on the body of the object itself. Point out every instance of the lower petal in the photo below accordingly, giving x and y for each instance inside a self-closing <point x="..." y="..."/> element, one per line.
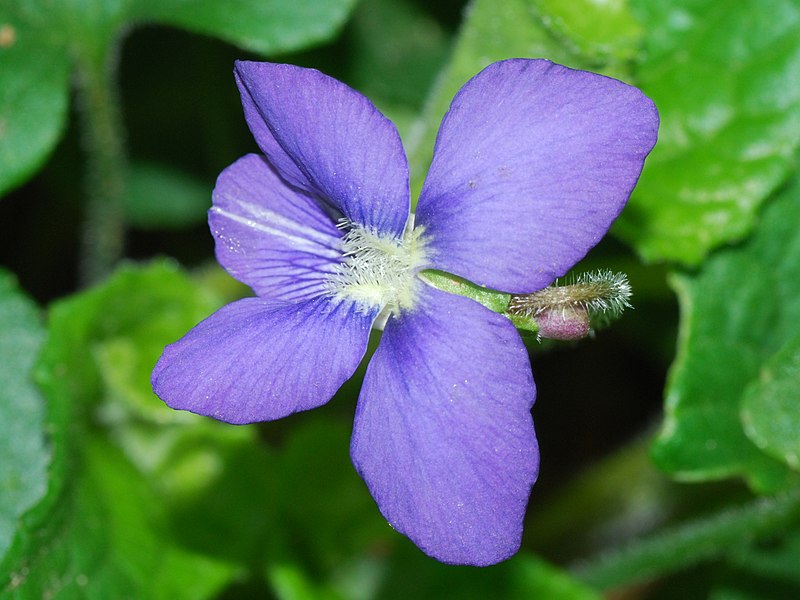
<point x="443" y="433"/>
<point x="259" y="360"/>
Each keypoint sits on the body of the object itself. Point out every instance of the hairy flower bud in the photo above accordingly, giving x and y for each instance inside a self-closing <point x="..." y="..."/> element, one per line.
<point x="571" y="311"/>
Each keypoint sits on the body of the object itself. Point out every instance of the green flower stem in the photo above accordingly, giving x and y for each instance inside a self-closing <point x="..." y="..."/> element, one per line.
<point x="491" y="299"/>
<point x="104" y="228"/>
<point x="692" y="543"/>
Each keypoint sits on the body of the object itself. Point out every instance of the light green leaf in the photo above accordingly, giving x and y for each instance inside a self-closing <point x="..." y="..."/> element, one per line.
<point x="196" y="463"/>
<point x="23" y="449"/>
<point x="737" y="311"/>
<point x="159" y="197"/>
<point x="225" y="495"/>
<point x="724" y="78"/>
<point x="123" y="325"/>
<point x="103" y="530"/>
<point x="107" y="538"/>
<point x="771" y="406"/>
<point x="216" y="480"/>
<point x="603" y="30"/>
<point x="493" y="31"/>
<point x="34" y="87"/>
<point x="265" y="26"/>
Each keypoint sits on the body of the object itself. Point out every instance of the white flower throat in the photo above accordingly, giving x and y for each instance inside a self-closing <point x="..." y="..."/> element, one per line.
<point x="379" y="271"/>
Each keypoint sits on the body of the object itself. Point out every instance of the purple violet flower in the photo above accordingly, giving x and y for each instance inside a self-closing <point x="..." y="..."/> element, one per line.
<point x="532" y="164"/>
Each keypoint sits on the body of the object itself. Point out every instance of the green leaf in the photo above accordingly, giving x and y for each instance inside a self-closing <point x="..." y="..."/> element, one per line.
<point x="327" y="509"/>
<point x="737" y="312"/>
<point x="771" y="410"/>
<point x="532" y="577"/>
<point x="600" y="30"/>
<point x="289" y="582"/>
<point x="761" y="571"/>
<point x="123" y="325"/>
<point x="222" y="489"/>
<point x="216" y="480"/>
<point x="213" y="498"/>
<point x="107" y="538"/>
<point x="522" y="577"/>
<point x="397" y="50"/>
<point x="742" y="585"/>
<point x="39" y="40"/>
<point x="493" y="31"/>
<point x="23" y="450"/>
<point x="103" y="530"/>
<point x="159" y="197"/>
<point x="265" y="26"/>
<point x="34" y="87"/>
<point x="776" y="559"/>
<point x="709" y="537"/>
<point x="724" y="78"/>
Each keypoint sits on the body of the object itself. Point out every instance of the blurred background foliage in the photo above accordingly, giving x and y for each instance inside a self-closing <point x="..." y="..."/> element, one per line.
<point x="670" y="443"/>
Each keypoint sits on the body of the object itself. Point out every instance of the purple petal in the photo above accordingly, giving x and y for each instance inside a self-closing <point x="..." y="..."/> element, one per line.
<point x="259" y="360"/>
<point x="532" y="164"/>
<point x="276" y="239"/>
<point x="329" y="140"/>
<point x="443" y="433"/>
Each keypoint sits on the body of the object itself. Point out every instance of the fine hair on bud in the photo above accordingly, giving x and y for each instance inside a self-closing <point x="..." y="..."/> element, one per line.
<point x="568" y="311"/>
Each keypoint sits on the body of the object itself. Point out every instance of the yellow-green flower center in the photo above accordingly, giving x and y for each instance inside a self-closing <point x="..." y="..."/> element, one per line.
<point x="378" y="271"/>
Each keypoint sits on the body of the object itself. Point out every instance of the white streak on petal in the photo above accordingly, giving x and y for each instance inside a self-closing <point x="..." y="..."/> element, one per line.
<point x="272" y="223"/>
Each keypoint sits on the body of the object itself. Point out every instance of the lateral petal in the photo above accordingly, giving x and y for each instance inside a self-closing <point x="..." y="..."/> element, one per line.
<point x="260" y="360"/>
<point x="443" y="433"/>
<point x="329" y="140"/>
<point x="274" y="238"/>
<point x="532" y="164"/>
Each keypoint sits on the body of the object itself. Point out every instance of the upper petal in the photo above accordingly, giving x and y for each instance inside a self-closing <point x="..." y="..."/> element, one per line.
<point x="259" y="360"/>
<point x="443" y="433"/>
<point x="328" y="139"/>
<point x="275" y="238"/>
<point x="532" y="164"/>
